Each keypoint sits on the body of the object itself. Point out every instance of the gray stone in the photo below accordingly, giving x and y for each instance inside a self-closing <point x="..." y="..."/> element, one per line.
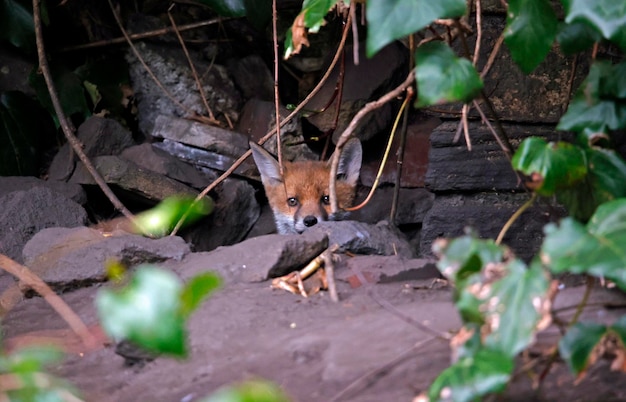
<point x="149" y="157"/>
<point x="70" y="258"/>
<point x="363" y="238"/>
<point x="236" y="210"/>
<point x="386" y="269"/>
<point x="413" y="204"/>
<point x="25" y="213"/>
<point x="170" y="66"/>
<point x="128" y="176"/>
<point x="453" y="167"/>
<point x="487" y="213"/>
<point x="253" y="78"/>
<point x="98" y="136"/>
<point x="257" y="259"/>
<point x="23" y="183"/>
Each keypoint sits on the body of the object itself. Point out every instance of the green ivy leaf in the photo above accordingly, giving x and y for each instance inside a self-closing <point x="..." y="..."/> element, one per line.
<point x="598" y="102"/>
<point x="471" y="378"/>
<point x="196" y="290"/>
<point x="596" y="249"/>
<point x="531" y="26"/>
<point x="227" y="8"/>
<point x="18" y="28"/>
<point x="515" y="305"/>
<point x="576" y="37"/>
<point x="578" y="343"/>
<point x="442" y="77"/>
<point x="312" y="15"/>
<point x="161" y="219"/>
<point x="30" y="359"/>
<point x="249" y="391"/>
<point x="619" y="328"/>
<point x="550" y="166"/>
<point x="466" y="255"/>
<point x="389" y="20"/>
<point x="607" y="16"/>
<point x="146" y="312"/>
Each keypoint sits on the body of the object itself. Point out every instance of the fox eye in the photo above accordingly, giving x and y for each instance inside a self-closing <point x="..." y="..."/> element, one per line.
<point x="326" y="200"/>
<point x="292" y="201"/>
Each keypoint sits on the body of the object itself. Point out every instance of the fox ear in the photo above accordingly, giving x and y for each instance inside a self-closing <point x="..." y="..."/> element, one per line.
<point x="350" y="162"/>
<point x="267" y="165"/>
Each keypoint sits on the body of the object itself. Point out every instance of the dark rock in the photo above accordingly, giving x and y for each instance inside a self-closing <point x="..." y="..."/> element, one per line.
<point x="369" y="80"/>
<point x="25" y="213"/>
<point x="363" y="238"/>
<point x="259" y="118"/>
<point x="236" y="210"/>
<point x="484" y="168"/>
<point x="170" y="66"/>
<point x="253" y="78"/>
<point x="23" y="183"/>
<point x="265" y="224"/>
<point x="487" y="213"/>
<point x="257" y="259"/>
<point x="69" y="258"/>
<point x="98" y="136"/>
<point x="161" y="162"/>
<point x="415" y="162"/>
<point x="142" y="183"/>
<point x="413" y="204"/>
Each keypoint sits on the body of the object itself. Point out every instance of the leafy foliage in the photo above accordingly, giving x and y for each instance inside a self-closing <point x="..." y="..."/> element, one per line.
<point x="151" y="310"/>
<point x="16" y="20"/>
<point x="161" y="219"/>
<point x="531" y="27"/>
<point x="606" y="16"/>
<point x="249" y="391"/>
<point x="442" y="77"/>
<point x="391" y="20"/>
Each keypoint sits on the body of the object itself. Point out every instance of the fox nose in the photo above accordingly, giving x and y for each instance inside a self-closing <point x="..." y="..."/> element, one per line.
<point x="309" y="220"/>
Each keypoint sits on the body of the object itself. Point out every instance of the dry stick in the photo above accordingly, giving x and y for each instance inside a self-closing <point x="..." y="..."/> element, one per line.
<point x="493" y="131"/>
<point x="143" y="35"/>
<point x="34" y="282"/>
<point x="63" y="121"/>
<point x="383" y="162"/>
<point x="276" y="94"/>
<point x="143" y="63"/>
<point x="376" y="373"/>
<point x="351" y="128"/>
<point x="329" y="267"/>
<point x="514" y="217"/>
<point x="355" y="34"/>
<point x="268" y="135"/>
<point x="191" y="66"/>
<point x="479" y="33"/>
<point x="400" y="158"/>
<point x="492" y="57"/>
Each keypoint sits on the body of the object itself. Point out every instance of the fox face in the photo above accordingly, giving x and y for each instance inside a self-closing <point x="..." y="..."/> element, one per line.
<point x="299" y="198"/>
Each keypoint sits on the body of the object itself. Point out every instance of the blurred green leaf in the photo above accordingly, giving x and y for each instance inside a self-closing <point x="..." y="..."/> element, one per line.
<point x="549" y="166"/>
<point x="607" y="16"/>
<point x="389" y="20"/>
<point x="465" y="255"/>
<point x="442" y="77"/>
<point x="146" y="312"/>
<point x="18" y="28"/>
<point x="161" y="219"/>
<point x="596" y="249"/>
<point x="30" y="359"/>
<point x="576" y="37"/>
<point x="259" y="12"/>
<point x="576" y="346"/>
<point x="471" y="378"/>
<point x="196" y="290"/>
<point x="598" y="103"/>
<point x="249" y="391"/>
<point x="531" y="27"/>
<point x="312" y="17"/>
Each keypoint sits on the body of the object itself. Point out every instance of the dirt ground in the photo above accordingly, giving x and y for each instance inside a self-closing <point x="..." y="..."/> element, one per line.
<point x="364" y="348"/>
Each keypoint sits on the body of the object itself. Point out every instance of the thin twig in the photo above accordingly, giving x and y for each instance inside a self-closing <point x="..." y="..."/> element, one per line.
<point x="143" y="35"/>
<point x="276" y="94"/>
<point x="65" y="124"/>
<point x="514" y="217"/>
<point x="67" y="314"/>
<point x="352" y="127"/>
<point x="194" y="72"/>
<point x="329" y="268"/>
<point x="355" y="34"/>
<point x="479" y="33"/>
<point x="492" y="56"/>
<point x="269" y="134"/>
<point x="503" y="145"/>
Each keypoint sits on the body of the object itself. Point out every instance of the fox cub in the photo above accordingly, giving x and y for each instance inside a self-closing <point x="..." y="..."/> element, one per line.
<point x="299" y="197"/>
